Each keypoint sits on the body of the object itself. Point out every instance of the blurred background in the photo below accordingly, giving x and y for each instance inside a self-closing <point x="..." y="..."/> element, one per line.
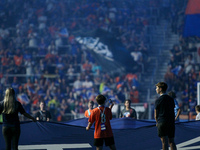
<point x="66" y="52"/>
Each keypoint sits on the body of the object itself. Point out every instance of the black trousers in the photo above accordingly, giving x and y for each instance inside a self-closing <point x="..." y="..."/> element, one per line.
<point x="11" y="137"/>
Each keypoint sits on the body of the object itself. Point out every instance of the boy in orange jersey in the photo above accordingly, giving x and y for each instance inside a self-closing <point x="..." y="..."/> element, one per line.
<point x="90" y="107"/>
<point x="103" y="131"/>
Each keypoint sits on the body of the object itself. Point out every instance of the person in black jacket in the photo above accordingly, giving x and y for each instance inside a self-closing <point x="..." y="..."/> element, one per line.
<point x="9" y="108"/>
<point x="164" y="115"/>
<point x="43" y="114"/>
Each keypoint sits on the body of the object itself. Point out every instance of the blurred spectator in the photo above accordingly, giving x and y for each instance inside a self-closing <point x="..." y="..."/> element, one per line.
<point x="64" y="109"/>
<point x="86" y="67"/>
<point x="189" y="62"/>
<point x="134" y="95"/>
<point x="15" y="85"/>
<point x="53" y="105"/>
<point x="77" y="85"/>
<point x="18" y="58"/>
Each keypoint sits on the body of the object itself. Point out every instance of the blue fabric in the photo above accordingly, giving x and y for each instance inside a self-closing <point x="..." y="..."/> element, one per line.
<point x="192" y="24"/>
<point x="128" y="133"/>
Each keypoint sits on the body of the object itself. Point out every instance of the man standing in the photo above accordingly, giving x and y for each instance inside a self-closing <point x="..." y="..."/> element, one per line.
<point x="164" y="115"/>
<point x="103" y="131"/>
<point x="128" y="111"/>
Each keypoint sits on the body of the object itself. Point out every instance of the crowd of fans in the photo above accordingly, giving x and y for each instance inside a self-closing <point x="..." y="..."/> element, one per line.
<point x="42" y="61"/>
<point x="33" y="35"/>
<point x="183" y="71"/>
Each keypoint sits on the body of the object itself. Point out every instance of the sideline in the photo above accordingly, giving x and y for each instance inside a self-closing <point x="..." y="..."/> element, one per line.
<point x="54" y="146"/>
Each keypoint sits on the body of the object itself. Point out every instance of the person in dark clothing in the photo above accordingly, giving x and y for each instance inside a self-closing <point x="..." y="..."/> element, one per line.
<point x="9" y="108"/>
<point x="164" y="115"/>
<point x="128" y="111"/>
<point x="43" y="114"/>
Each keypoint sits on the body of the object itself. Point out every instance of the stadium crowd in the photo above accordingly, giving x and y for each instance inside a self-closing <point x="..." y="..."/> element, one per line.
<point x="42" y="60"/>
<point x="33" y="35"/>
<point x="183" y="71"/>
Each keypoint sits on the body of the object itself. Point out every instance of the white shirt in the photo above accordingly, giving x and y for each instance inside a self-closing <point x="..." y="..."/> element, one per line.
<point x="198" y="116"/>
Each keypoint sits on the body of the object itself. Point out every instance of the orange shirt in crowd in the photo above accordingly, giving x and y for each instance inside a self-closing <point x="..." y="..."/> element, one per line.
<point x="96" y="117"/>
<point x="4" y="61"/>
<point x="18" y="60"/>
<point x="134" y="96"/>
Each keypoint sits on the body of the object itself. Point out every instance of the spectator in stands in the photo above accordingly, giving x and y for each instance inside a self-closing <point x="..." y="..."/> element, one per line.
<point x="34" y="33"/>
<point x="189" y="62"/>
<point x="41" y="66"/>
<point x="64" y="111"/>
<point x="103" y="131"/>
<point x="43" y="114"/>
<point x="5" y="61"/>
<point x="177" y="53"/>
<point x="113" y="96"/>
<point x="185" y="98"/>
<point x="18" y="58"/>
<point x="164" y="115"/>
<point x="42" y="47"/>
<point x="53" y="106"/>
<point x="77" y="85"/>
<point x="90" y="108"/>
<point x="70" y="73"/>
<point x="64" y="87"/>
<point x="97" y="77"/>
<point x="47" y="96"/>
<point x="87" y="67"/>
<point x="169" y="77"/>
<point x="91" y="94"/>
<point x="197" y="109"/>
<point x="10" y="108"/>
<point x="120" y="94"/>
<point x="11" y="69"/>
<point x="172" y="63"/>
<point x="15" y="84"/>
<point x="128" y="111"/>
<point x="177" y="109"/>
<point x="87" y="84"/>
<point x="134" y="95"/>
<point x="60" y="65"/>
<point x="29" y="64"/>
<point x="96" y="67"/>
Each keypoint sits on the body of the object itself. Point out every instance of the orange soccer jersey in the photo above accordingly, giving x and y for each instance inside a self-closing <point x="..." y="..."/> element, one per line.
<point x="87" y="114"/>
<point x="96" y="117"/>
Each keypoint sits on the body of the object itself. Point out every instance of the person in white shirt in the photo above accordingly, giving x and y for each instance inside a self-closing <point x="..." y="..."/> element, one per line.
<point x="197" y="109"/>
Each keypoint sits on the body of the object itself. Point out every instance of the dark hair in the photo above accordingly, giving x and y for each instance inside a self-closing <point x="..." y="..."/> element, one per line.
<point x="127" y="100"/>
<point x="162" y="85"/>
<point x="172" y="94"/>
<point x="197" y="108"/>
<point x="100" y="99"/>
<point x="91" y="102"/>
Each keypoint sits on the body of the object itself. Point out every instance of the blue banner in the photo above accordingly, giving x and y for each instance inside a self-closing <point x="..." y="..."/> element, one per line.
<point x="192" y="24"/>
<point x="128" y="134"/>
